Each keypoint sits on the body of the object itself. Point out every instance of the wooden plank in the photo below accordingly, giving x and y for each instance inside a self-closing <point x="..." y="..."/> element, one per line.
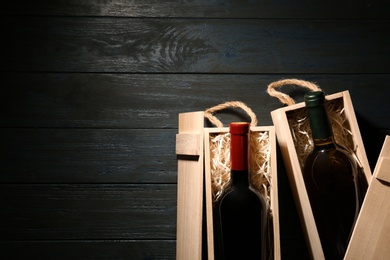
<point x="384" y="173"/>
<point x="89" y="44"/>
<point x="354" y="128"/>
<point x="89" y="249"/>
<point x="190" y="192"/>
<point x="143" y="101"/>
<point x="94" y="155"/>
<point x="370" y="238"/>
<point x="300" y="196"/>
<point x="87" y="156"/>
<point x="200" y="8"/>
<point x="87" y="212"/>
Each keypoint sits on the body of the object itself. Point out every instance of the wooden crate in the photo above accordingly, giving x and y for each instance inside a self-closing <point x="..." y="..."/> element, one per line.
<point x="371" y="236"/>
<point x="194" y="186"/>
<point x="292" y="156"/>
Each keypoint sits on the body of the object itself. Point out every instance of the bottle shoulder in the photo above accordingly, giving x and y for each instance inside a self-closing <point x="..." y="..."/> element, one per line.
<point x="331" y="150"/>
<point x="330" y="164"/>
<point x="242" y="194"/>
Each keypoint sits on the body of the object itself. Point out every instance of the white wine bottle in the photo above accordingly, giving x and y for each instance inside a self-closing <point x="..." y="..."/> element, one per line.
<point x="240" y="215"/>
<point x="331" y="177"/>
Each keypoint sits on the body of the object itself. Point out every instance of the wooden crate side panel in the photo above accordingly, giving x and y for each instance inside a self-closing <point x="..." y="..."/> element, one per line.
<point x="274" y="194"/>
<point x="190" y="192"/>
<point x="208" y="189"/>
<point x="370" y="239"/>
<point x="360" y="151"/>
<point x="297" y="184"/>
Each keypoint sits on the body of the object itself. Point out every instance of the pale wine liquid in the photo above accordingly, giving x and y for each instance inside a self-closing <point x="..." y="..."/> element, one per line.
<point x="332" y="185"/>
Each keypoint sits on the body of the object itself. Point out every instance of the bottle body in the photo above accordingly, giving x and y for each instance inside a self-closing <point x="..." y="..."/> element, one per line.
<point x="330" y="179"/>
<point x="332" y="182"/>
<point x="240" y="215"/>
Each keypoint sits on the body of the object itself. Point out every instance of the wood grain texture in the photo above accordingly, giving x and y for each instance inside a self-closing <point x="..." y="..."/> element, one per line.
<point x="281" y="119"/>
<point x="87" y="156"/>
<point x="153" y="101"/>
<point x="370" y="238"/>
<point x="87" y="212"/>
<point x="345" y="9"/>
<point x="91" y="91"/>
<point x="89" y="249"/>
<point x="190" y="192"/>
<point x="194" y="45"/>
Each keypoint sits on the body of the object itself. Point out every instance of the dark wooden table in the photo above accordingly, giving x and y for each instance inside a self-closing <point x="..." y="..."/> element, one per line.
<point x="91" y="91"/>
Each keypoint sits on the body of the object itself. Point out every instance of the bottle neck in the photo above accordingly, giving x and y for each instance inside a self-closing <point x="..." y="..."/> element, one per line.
<point x="320" y="126"/>
<point x="324" y="143"/>
<point x="239" y="152"/>
<point x="240" y="177"/>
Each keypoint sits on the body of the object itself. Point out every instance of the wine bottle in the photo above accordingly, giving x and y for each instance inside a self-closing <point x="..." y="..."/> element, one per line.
<point x="332" y="181"/>
<point x="240" y="215"/>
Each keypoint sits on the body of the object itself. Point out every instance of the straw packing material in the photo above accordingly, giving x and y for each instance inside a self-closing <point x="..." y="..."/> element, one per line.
<point x="259" y="163"/>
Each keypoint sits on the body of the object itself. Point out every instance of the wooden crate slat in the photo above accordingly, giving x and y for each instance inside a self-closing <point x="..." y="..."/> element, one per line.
<point x="370" y="238"/>
<point x="190" y="191"/>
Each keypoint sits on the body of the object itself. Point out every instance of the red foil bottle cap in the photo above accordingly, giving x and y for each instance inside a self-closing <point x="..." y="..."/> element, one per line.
<point x="239" y="128"/>
<point x="239" y="145"/>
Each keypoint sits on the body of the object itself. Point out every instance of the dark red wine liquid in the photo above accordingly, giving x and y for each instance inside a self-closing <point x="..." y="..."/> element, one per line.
<point x="242" y="223"/>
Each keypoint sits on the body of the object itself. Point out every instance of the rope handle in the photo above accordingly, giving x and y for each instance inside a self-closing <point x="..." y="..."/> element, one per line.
<point x="235" y="104"/>
<point x="284" y="98"/>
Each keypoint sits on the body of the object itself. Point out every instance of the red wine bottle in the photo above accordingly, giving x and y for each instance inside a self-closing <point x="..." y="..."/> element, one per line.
<point x="332" y="182"/>
<point x="240" y="215"/>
